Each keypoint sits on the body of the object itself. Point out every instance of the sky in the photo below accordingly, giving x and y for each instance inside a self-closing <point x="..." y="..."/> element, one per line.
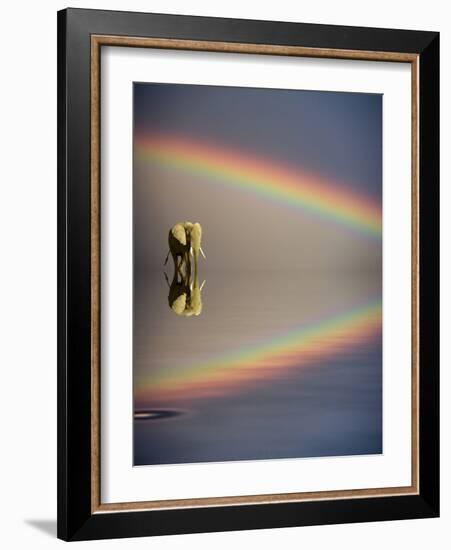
<point x="338" y="135"/>
<point x="335" y="137"/>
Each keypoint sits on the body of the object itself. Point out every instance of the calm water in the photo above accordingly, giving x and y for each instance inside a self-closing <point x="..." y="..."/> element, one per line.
<point x="277" y="365"/>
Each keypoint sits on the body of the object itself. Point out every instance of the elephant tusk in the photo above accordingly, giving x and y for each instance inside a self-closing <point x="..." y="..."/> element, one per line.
<point x="202" y="285"/>
<point x="202" y="252"/>
<point x="191" y="251"/>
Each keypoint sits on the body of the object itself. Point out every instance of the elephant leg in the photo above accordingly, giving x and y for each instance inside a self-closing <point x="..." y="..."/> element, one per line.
<point x="188" y="269"/>
<point x="196" y="264"/>
<point x="187" y="265"/>
<point x="181" y="265"/>
<point x="176" y="265"/>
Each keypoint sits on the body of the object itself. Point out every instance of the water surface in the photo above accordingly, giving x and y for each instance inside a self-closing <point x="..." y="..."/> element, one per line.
<point x="280" y="364"/>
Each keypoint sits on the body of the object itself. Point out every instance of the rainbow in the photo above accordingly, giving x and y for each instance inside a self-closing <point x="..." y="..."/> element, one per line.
<point x="246" y="367"/>
<point x="283" y="184"/>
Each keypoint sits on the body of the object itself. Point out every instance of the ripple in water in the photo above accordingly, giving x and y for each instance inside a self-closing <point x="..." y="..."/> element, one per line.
<point x="156" y="414"/>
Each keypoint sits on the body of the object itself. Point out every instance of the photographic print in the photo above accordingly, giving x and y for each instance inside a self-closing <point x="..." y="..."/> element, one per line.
<point x="257" y="239"/>
<point x="248" y="274"/>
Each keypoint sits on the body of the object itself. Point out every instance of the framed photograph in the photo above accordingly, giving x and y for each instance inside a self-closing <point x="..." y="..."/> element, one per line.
<point x="248" y="274"/>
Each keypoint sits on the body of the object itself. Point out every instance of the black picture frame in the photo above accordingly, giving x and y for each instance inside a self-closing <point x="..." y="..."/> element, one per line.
<point x="76" y="519"/>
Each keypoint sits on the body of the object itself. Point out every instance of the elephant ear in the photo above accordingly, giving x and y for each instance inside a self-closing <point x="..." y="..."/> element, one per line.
<point x="179" y="233"/>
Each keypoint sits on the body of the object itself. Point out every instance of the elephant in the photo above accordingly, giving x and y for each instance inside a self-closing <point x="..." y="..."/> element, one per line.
<point x="184" y="239"/>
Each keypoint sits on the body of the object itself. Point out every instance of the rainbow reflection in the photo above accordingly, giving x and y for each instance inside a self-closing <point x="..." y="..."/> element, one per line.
<point x="300" y="347"/>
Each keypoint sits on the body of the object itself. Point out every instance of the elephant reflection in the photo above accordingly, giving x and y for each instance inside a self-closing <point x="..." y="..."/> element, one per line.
<point x="184" y="292"/>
